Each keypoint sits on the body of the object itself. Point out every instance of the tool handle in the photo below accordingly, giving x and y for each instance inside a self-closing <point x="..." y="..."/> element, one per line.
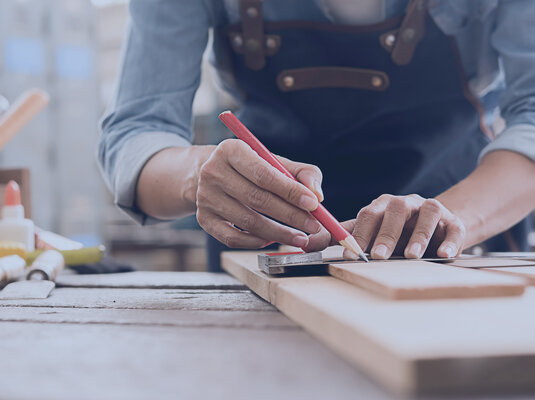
<point x="11" y="267"/>
<point x="243" y="133"/>
<point x="47" y="266"/>
<point x="27" y="106"/>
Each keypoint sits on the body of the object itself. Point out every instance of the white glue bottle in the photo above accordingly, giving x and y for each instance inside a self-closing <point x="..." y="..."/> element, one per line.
<point x="13" y="226"/>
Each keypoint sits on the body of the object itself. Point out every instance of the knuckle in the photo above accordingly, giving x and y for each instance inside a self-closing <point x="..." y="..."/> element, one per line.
<point x="387" y="238"/>
<point x="295" y="218"/>
<point x="398" y="206"/>
<point x="263" y="176"/>
<point x="384" y="197"/>
<point x="367" y="214"/>
<point x="432" y="206"/>
<point x="316" y="170"/>
<point x="422" y="236"/>
<point x="227" y="146"/>
<point x="203" y="220"/>
<point x="230" y="240"/>
<point x="258" y="198"/>
<point x="248" y="222"/>
<point x="293" y="192"/>
<point x="208" y="172"/>
<point x="458" y="227"/>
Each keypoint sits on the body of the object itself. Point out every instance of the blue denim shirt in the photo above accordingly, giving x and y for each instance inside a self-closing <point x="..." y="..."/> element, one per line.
<point x="152" y="106"/>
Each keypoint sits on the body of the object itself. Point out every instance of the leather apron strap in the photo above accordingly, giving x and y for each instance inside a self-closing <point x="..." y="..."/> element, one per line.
<point x="402" y="42"/>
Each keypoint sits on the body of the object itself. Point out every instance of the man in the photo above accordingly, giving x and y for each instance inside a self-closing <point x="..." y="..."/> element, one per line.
<point x="389" y="102"/>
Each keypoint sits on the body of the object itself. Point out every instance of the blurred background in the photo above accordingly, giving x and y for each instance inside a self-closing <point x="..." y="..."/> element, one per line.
<point x="71" y="49"/>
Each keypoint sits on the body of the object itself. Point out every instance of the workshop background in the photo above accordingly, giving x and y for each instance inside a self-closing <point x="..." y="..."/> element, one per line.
<point x="71" y="49"/>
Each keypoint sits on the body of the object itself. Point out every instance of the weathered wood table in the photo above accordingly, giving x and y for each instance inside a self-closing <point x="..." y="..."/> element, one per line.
<point x="183" y="335"/>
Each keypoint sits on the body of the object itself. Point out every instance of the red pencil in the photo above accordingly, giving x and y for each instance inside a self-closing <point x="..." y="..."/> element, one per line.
<point x="330" y="223"/>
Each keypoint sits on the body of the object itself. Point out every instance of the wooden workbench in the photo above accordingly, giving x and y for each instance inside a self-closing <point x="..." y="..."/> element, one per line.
<point x="165" y="335"/>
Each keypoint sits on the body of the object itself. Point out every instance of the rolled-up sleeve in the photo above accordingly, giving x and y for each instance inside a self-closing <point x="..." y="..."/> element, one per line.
<point x="514" y="40"/>
<point x="152" y="102"/>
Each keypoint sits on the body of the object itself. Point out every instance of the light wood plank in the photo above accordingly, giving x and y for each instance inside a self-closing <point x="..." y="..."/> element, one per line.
<point x="152" y="280"/>
<point x="425" y="280"/>
<point x="527" y="273"/>
<point x="490" y="262"/>
<point x="410" y="346"/>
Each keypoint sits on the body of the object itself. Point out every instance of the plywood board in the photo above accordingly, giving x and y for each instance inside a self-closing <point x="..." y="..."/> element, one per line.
<point x="527" y="273"/>
<point x="435" y="346"/>
<point x="487" y="262"/>
<point x="425" y="280"/>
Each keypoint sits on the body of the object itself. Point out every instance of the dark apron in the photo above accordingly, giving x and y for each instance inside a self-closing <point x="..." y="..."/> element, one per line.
<point x="382" y="108"/>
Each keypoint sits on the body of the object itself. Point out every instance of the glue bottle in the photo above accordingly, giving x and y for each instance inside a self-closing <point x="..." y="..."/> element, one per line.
<point x="13" y="225"/>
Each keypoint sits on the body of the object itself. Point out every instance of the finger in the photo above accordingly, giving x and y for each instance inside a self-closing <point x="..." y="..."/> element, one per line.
<point x="369" y="220"/>
<point x="395" y="216"/>
<point x="257" y="170"/>
<point x="454" y="240"/>
<point x="309" y="175"/>
<point x="426" y="224"/>
<point x="324" y="239"/>
<point x="231" y="237"/>
<point x="269" y="204"/>
<point x="256" y="224"/>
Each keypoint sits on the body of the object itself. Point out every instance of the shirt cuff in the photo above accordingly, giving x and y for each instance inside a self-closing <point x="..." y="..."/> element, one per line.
<point x="518" y="138"/>
<point x="130" y="161"/>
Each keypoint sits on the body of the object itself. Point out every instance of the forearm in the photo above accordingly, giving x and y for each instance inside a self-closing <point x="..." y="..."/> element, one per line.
<point x="167" y="185"/>
<point x="498" y="194"/>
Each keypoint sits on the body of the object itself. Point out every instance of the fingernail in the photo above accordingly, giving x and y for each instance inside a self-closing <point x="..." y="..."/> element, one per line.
<point x="415" y="250"/>
<point x="308" y="203"/>
<point x="350" y="255"/>
<point x="379" y="251"/>
<point x="450" y="250"/>
<point x="299" y="241"/>
<point x="312" y="226"/>
<point x="319" y="192"/>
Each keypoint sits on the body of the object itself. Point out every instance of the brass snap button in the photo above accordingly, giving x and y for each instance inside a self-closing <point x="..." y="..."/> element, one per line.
<point x="271" y="43"/>
<point x="288" y="81"/>
<point x="390" y="40"/>
<point x="376" y="81"/>
<point x="237" y="41"/>
<point x="252" y="12"/>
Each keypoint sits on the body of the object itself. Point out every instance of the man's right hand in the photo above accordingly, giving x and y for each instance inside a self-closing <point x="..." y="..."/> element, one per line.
<point x="238" y="190"/>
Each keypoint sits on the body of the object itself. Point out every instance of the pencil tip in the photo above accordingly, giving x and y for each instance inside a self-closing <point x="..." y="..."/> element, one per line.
<point x="351" y="244"/>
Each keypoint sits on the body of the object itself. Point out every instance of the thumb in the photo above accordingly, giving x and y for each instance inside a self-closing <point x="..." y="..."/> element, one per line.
<point x="308" y="174"/>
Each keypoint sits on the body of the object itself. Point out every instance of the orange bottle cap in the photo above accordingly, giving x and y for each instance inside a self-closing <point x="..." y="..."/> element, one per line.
<point x="12" y="194"/>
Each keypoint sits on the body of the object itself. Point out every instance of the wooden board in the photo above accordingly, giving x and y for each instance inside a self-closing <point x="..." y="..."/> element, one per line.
<point x="409" y="346"/>
<point x="425" y="280"/>
<point x="527" y="273"/>
<point x="147" y="299"/>
<point x="483" y="262"/>
<point x="152" y="279"/>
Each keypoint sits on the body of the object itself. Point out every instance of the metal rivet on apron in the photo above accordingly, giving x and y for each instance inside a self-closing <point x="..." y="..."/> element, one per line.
<point x="252" y="12"/>
<point x="408" y="34"/>
<point x="271" y="43"/>
<point x="237" y="41"/>
<point x="288" y="81"/>
<point x="252" y="45"/>
<point x="390" y="40"/>
<point x="376" y="81"/>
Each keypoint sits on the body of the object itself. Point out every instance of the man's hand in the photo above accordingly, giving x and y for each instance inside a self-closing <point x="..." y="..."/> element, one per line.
<point x="237" y="192"/>
<point x="408" y="225"/>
